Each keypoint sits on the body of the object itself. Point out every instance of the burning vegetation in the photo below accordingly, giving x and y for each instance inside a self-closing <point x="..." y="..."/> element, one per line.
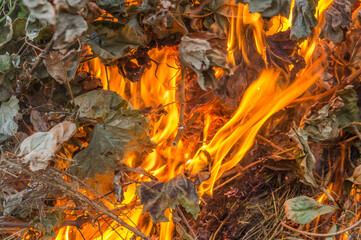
<point x="186" y="119"/>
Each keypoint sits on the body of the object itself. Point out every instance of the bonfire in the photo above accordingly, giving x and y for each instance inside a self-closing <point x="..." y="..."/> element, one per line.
<point x="196" y="120"/>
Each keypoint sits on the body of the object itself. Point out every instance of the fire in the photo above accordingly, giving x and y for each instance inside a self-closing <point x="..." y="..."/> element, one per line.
<point x="158" y="88"/>
<point x="243" y="22"/>
<point x="261" y="100"/>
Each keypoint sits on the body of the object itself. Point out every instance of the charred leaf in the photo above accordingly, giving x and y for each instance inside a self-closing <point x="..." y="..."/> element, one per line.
<point x="338" y="19"/>
<point x="159" y="196"/>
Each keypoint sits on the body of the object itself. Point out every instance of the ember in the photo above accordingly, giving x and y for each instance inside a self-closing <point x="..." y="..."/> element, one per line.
<point x="180" y="120"/>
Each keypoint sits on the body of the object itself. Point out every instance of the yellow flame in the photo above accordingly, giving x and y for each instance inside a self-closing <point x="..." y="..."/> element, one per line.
<point x="261" y="100"/>
<point x="158" y="86"/>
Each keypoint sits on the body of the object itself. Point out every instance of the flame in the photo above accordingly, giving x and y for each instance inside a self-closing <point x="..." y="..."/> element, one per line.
<point x="261" y="100"/>
<point x="157" y="88"/>
<point x="243" y="22"/>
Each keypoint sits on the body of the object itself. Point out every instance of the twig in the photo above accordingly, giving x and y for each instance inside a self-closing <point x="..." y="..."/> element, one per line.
<point x="106" y="73"/>
<point x="239" y="173"/>
<point x="186" y="222"/>
<point x="70" y="91"/>
<point x="272" y="144"/>
<point x="188" y="124"/>
<point x="321" y="234"/>
<point x="56" y="180"/>
<point x="181" y="115"/>
<point x="36" y="64"/>
<point x="350" y="79"/>
<point x="77" y="223"/>
<point x="224" y="221"/>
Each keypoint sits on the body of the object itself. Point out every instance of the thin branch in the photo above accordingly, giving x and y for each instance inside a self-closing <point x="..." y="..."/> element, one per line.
<point x="53" y="178"/>
<point x="36" y="65"/>
<point x="181" y="126"/>
<point x="186" y="222"/>
<point x="106" y="73"/>
<point x="321" y="234"/>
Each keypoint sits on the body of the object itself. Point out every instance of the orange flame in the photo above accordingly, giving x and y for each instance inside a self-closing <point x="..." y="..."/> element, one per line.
<point x="158" y="86"/>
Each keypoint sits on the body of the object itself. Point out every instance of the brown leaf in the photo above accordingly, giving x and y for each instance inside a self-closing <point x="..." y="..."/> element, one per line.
<point x="338" y="19"/>
<point x="283" y="52"/>
<point x="55" y="67"/>
<point x="201" y="52"/>
<point x="38" y="123"/>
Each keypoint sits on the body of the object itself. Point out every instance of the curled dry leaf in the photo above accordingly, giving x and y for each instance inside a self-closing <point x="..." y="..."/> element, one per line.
<point x="321" y="123"/>
<point x="325" y="123"/>
<point x="202" y="51"/>
<point x="283" y="52"/>
<point x="303" y="209"/>
<point x="41" y="9"/>
<point x="40" y="148"/>
<point x="35" y="28"/>
<point x="62" y="67"/>
<point x="91" y="11"/>
<point x="338" y="19"/>
<point x="303" y="155"/>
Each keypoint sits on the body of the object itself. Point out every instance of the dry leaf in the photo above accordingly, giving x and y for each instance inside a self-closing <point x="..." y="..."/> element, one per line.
<point x="40" y="148"/>
<point x="38" y="123"/>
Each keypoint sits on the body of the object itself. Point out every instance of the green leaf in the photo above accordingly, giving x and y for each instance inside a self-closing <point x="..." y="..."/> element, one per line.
<point x="333" y="229"/>
<point x="158" y="196"/>
<point x="8" y="65"/>
<point x="6" y="29"/>
<point x="4" y="63"/>
<point x="36" y="29"/>
<point x="123" y="130"/>
<point x="303" y="19"/>
<point x="349" y="112"/>
<point x="8" y="111"/>
<point x="114" y="7"/>
<point x="19" y="27"/>
<point x="48" y="222"/>
<point x="303" y="209"/>
<point x="98" y="104"/>
<point x="303" y="154"/>
<point x="269" y="8"/>
<point x="111" y="40"/>
<point x="23" y="12"/>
